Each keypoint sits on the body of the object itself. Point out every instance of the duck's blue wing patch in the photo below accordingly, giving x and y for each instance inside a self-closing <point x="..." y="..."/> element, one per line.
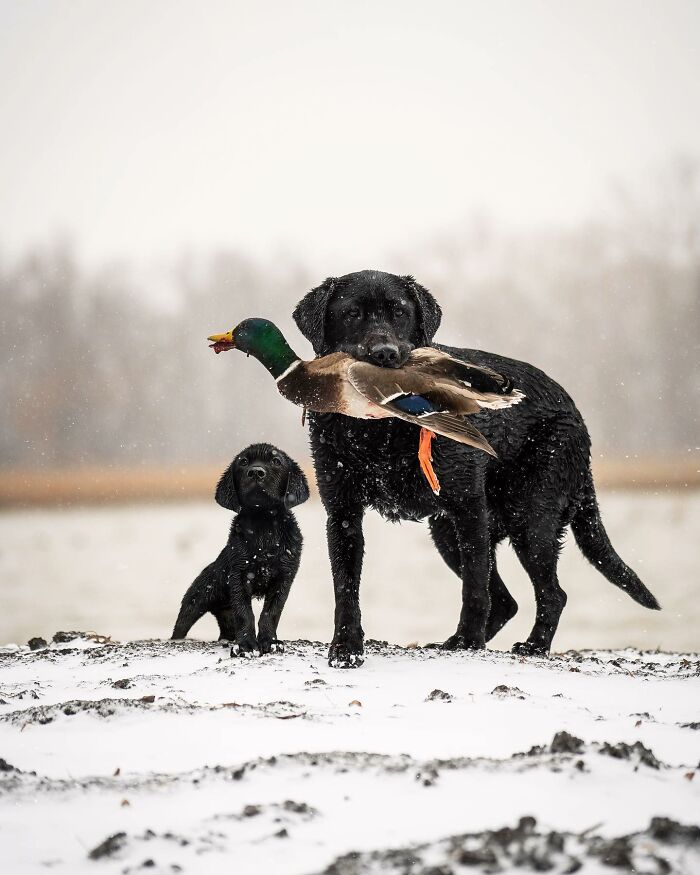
<point x="415" y="405"/>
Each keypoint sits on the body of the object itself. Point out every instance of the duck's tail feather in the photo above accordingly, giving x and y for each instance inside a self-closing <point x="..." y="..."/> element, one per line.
<point x="499" y="402"/>
<point x="454" y="427"/>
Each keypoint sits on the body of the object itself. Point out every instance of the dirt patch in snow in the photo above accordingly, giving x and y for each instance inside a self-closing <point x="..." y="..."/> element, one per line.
<point x="665" y="846"/>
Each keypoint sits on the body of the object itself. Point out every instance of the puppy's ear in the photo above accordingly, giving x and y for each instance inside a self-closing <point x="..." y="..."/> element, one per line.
<point x="226" y="492"/>
<point x="310" y="314"/>
<point x="430" y="312"/>
<point x="297" y="486"/>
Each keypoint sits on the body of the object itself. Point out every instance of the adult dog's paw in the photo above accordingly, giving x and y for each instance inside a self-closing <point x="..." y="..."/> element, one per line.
<point x="247" y="649"/>
<point x="271" y="645"/>
<point x="341" y="655"/>
<point x="527" y="648"/>
<point x="459" y="641"/>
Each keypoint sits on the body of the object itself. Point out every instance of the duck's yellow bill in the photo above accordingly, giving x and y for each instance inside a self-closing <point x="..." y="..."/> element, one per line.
<point x="221" y="342"/>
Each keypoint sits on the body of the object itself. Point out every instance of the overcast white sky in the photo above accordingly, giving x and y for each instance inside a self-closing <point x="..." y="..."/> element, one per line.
<point x="338" y="130"/>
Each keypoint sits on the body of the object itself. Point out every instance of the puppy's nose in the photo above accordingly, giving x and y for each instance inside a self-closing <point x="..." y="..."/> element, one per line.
<point x="257" y="472"/>
<point x="384" y="354"/>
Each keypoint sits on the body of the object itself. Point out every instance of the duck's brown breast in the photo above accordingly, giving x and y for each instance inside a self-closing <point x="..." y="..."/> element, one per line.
<point x="321" y="391"/>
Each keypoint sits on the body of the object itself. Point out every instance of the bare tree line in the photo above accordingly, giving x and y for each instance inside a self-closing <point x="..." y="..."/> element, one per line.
<point x="95" y="371"/>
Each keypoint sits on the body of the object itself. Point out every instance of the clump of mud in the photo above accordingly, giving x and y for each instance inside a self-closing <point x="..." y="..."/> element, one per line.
<point x="439" y="696"/>
<point x="37" y="643"/>
<point x="636" y="751"/>
<point x="505" y="692"/>
<point x="109" y="847"/>
<point x="564" y="742"/>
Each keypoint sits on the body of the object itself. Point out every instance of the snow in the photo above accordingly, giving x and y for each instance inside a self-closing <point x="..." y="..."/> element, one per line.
<point x="283" y="764"/>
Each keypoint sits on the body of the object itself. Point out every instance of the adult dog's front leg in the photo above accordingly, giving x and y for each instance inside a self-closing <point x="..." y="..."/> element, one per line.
<point x="471" y="529"/>
<point x="346" y="547"/>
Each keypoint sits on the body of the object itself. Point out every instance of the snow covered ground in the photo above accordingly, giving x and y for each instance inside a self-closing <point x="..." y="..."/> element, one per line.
<point x="123" y="570"/>
<point x="165" y="757"/>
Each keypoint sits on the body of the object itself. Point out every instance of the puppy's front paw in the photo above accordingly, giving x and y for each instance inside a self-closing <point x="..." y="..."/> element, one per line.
<point x="342" y="655"/>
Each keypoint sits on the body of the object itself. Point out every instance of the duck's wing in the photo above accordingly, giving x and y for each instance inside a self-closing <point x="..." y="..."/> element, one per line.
<point x="409" y="395"/>
<point x="446" y="383"/>
<point x="492" y="389"/>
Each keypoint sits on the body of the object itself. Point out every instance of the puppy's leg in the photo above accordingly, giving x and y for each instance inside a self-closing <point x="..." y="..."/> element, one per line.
<point x="243" y="618"/>
<point x="471" y="529"/>
<point x="227" y="625"/>
<point x="197" y="600"/>
<point x="538" y="549"/>
<point x="346" y="546"/>
<point x="270" y="616"/>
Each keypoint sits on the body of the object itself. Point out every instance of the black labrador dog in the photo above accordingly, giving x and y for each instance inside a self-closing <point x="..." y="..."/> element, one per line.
<point x="261" y="557"/>
<point x="540" y="483"/>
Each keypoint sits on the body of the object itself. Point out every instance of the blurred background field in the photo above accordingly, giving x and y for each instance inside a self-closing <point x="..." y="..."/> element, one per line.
<point x="168" y="171"/>
<point x="122" y="571"/>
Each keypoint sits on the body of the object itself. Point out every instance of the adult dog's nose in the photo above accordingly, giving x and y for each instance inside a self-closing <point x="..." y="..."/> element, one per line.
<point x="257" y="471"/>
<point x="384" y="354"/>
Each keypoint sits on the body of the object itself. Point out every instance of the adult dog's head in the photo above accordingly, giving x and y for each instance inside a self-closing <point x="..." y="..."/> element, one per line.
<point x="373" y="316"/>
<point x="262" y="477"/>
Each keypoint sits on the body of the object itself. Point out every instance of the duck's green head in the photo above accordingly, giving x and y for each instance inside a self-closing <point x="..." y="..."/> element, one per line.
<point x="260" y="338"/>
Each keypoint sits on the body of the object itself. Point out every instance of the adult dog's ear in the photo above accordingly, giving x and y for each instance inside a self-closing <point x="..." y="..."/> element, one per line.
<point x="297" y="486"/>
<point x="226" y="492"/>
<point x="430" y="312"/>
<point x="310" y="314"/>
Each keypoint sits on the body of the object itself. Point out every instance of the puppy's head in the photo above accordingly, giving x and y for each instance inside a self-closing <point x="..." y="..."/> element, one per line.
<point x="263" y="477"/>
<point x="373" y="316"/>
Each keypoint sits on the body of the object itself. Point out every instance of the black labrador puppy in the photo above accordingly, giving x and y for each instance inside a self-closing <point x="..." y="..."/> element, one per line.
<point x="261" y="557"/>
<point x="540" y="483"/>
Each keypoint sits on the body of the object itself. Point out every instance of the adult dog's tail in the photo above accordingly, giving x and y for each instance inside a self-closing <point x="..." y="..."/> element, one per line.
<point x="595" y="545"/>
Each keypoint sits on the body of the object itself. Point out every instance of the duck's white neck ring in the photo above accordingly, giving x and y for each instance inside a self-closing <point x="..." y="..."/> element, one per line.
<point x="288" y="371"/>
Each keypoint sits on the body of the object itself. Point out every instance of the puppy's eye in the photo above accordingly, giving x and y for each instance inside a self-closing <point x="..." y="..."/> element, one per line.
<point x="354" y="313"/>
<point x="398" y="311"/>
<point x="243" y="461"/>
<point x="277" y="462"/>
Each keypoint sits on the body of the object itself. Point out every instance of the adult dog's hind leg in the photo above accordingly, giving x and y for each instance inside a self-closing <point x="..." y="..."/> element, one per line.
<point x="503" y="605"/>
<point x="549" y="474"/>
<point x="442" y="531"/>
<point x="538" y="549"/>
<point x="472" y="534"/>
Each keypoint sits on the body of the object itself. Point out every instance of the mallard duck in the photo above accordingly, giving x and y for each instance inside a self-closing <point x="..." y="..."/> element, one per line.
<point x="432" y="390"/>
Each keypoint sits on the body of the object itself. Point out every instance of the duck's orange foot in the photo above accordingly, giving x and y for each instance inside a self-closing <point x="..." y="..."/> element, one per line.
<point x="425" y="457"/>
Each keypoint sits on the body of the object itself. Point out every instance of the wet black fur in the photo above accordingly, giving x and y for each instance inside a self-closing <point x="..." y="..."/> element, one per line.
<point x="262" y="555"/>
<point x="540" y="483"/>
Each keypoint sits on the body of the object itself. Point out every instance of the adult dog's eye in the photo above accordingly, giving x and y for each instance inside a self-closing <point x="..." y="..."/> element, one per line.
<point x="354" y="313"/>
<point x="243" y="461"/>
<point x="398" y="311"/>
<point x="276" y="461"/>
